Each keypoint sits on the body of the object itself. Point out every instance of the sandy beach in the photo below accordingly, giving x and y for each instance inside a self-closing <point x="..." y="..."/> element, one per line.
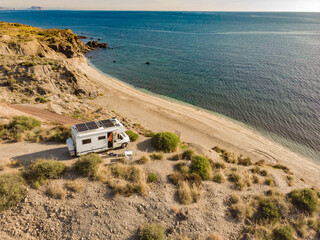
<point x="195" y="125"/>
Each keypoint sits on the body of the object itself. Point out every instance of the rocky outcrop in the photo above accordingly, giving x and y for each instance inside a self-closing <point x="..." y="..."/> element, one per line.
<point x="95" y="44"/>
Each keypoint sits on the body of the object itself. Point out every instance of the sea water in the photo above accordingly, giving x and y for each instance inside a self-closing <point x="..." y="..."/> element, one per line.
<point x="262" y="69"/>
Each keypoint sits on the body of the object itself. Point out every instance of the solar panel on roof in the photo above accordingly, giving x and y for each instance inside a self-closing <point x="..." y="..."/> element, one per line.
<point x="81" y="127"/>
<point x="92" y="125"/>
<point x="107" y="123"/>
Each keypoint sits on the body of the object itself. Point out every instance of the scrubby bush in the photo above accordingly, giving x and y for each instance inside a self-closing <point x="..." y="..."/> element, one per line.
<point x="143" y="160"/>
<point x="269" y="181"/>
<point x="156" y="156"/>
<point x="132" y="135"/>
<point x="228" y="157"/>
<point x="165" y="141"/>
<point x="19" y="125"/>
<point x="219" y="178"/>
<point x="43" y="169"/>
<point x="41" y="100"/>
<point x="152" y="177"/>
<point x="219" y="165"/>
<point x="61" y="133"/>
<point x="152" y="231"/>
<point x="305" y="200"/>
<point x="267" y="211"/>
<point x="12" y="191"/>
<point x="282" y="233"/>
<point x="201" y="165"/>
<point x="188" y="154"/>
<point x="88" y="164"/>
<point x="244" y="161"/>
<point x="176" y="157"/>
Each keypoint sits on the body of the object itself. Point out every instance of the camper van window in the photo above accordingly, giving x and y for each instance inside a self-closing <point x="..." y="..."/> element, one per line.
<point x="120" y="137"/>
<point x="101" y="137"/>
<point x="86" y="141"/>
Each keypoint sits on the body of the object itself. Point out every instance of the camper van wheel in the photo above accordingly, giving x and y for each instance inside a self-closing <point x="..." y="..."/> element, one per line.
<point x="124" y="145"/>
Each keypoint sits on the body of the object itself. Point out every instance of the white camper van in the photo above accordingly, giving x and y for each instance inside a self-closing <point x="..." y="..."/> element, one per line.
<point x="97" y="136"/>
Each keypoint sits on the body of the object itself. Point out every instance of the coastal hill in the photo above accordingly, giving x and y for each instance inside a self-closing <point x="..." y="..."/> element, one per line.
<point x="36" y="8"/>
<point x="218" y="180"/>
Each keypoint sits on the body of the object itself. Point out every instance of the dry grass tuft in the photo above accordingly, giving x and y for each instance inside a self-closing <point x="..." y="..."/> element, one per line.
<point x="75" y="185"/>
<point x="103" y="174"/>
<point x="215" y="236"/>
<point x="56" y="189"/>
<point x="188" y="194"/>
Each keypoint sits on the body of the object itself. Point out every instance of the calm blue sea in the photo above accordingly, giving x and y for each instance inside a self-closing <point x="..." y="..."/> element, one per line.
<point x="262" y="69"/>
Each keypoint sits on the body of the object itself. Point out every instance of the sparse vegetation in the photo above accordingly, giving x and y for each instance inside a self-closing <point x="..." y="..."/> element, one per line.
<point x="128" y="180"/>
<point x="188" y="194"/>
<point x="12" y="191"/>
<point x="219" y="178"/>
<point x="269" y="181"/>
<point x="165" y="141"/>
<point x="152" y="177"/>
<point x="143" y="160"/>
<point x="244" y="161"/>
<point x="157" y="156"/>
<point x="152" y="231"/>
<point x="282" y="233"/>
<point x="87" y="165"/>
<point x="132" y="135"/>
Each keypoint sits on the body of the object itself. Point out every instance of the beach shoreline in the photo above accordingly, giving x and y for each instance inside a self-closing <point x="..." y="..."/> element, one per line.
<point x="195" y="125"/>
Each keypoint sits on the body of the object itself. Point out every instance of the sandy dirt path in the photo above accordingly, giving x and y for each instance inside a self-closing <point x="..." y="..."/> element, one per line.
<point x="195" y="125"/>
<point x="44" y="114"/>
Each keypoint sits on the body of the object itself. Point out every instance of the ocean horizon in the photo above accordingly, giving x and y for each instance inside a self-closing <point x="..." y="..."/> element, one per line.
<point x="259" y="68"/>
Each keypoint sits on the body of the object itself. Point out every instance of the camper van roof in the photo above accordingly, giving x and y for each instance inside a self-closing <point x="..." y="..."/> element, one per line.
<point x="93" y="125"/>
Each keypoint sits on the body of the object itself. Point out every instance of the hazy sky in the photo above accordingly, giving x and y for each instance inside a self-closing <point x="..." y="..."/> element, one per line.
<point x="171" y="5"/>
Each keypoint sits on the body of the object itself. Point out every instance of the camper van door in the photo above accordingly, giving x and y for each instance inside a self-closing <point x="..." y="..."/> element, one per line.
<point x="115" y="139"/>
<point x="110" y="139"/>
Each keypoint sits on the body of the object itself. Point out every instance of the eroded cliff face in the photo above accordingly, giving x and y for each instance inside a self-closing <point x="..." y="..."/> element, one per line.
<point x="34" y="62"/>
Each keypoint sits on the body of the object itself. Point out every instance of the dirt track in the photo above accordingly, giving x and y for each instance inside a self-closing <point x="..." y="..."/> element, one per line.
<point x="45" y="114"/>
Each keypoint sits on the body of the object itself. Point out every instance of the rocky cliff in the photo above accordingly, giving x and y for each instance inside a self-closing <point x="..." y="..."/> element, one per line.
<point x="34" y="62"/>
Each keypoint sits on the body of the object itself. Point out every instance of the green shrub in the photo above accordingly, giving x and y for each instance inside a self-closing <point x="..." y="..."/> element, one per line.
<point x="152" y="231"/>
<point x="152" y="177"/>
<point x="43" y="169"/>
<point x="12" y="191"/>
<point x="132" y="135"/>
<point x="62" y="133"/>
<point x="41" y="100"/>
<point x="165" y="141"/>
<point x="305" y="200"/>
<point x="87" y="165"/>
<point x="267" y="211"/>
<point x="21" y="124"/>
<point x="201" y="165"/>
<point x="156" y="156"/>
<point x="282" y="233"/>
<point x="188" y="154"/>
